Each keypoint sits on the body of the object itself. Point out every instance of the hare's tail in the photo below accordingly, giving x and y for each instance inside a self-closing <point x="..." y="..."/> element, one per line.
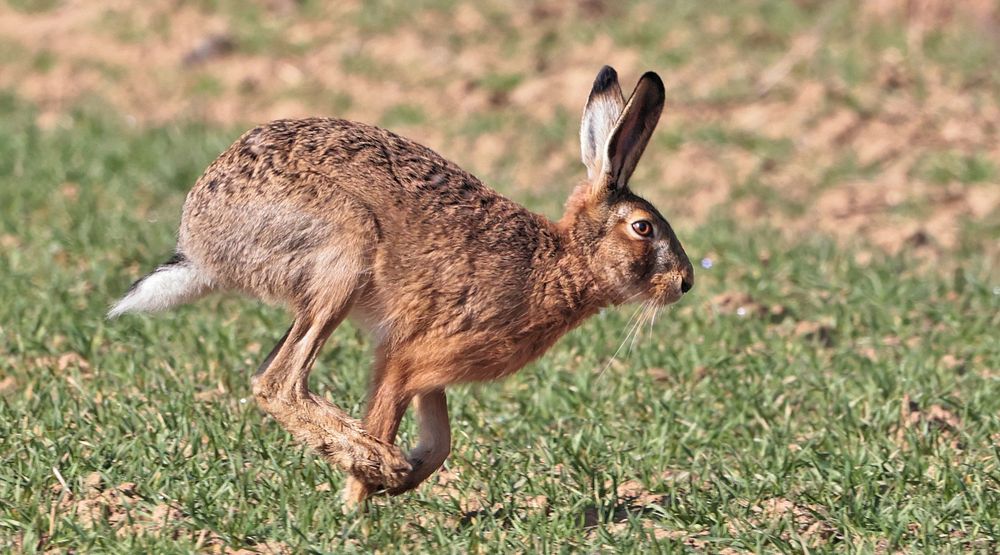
<point x="174" y="282"/>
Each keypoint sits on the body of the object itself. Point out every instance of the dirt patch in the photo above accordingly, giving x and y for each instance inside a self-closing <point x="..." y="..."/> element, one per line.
<point x="806" y="522"/>
<point x="930" y="13"/>
<point x="634" y="499"/>
<point x="953" y="363"/>
<point x="931" y="422"/>
<point x="818" y="332"/>
<point x="7" y="384"/>
<point x="129" y="513"/>
<point x="859" y="210"/>
<point x="120" y="506"/>
<point x="61" y="362"/>
<point x="743" y="305"/>
<point x="269" y="547"/>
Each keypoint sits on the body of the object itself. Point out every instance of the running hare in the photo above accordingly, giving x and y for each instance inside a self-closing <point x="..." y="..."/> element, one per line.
<point x="454" y="282"/>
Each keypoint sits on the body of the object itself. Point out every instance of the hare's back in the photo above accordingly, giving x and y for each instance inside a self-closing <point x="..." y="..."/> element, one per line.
<point x="284" y="193"/>
<point x="289" y="189"/>
<point x="308" y="164"/>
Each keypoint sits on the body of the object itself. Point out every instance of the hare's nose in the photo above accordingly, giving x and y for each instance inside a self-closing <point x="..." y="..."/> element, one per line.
<point x="686" y="285"/>
<point x="687" y="279"/>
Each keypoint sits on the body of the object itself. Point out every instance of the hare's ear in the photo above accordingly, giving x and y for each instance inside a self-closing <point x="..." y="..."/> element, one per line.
<point x="633" y="129"/>
<point x="604" y="107"/>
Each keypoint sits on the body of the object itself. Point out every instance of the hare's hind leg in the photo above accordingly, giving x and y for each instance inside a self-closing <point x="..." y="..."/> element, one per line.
<point x="281" y="389"/>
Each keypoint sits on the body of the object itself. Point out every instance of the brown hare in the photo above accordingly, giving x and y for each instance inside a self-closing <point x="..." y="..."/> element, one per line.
<point x="455" y="282"/>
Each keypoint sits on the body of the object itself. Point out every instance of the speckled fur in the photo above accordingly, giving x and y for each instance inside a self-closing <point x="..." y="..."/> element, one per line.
<point x="455" y="282"/>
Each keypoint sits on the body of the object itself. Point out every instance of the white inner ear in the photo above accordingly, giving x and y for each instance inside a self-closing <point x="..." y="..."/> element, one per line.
<point x="599" y="118"/>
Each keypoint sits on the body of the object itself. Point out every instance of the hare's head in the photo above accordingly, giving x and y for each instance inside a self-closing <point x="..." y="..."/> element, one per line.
<point x="629" y="246"/>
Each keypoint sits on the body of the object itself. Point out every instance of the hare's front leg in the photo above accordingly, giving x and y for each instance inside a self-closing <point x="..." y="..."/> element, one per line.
<point x="434" y="443"/>
<point x="385" y="411"/>
<point x="281" y="388"/>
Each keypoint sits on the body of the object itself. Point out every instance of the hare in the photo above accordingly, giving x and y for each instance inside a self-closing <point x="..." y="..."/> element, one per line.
<point x="454" y="282"/>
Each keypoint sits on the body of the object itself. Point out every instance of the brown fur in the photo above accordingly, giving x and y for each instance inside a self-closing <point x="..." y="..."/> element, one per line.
<point x="455" y="282"/>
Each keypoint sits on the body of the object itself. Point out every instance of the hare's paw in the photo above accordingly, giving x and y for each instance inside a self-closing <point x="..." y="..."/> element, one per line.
<point x="388" y="471"/>
<point x="380" y="465"/>
<point x="413" y="479"/>
<point x="395" y="468"/>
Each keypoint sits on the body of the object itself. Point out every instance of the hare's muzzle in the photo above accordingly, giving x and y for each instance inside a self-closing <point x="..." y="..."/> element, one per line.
<point x="668" y="287"/>
<point x="674" y="280"/>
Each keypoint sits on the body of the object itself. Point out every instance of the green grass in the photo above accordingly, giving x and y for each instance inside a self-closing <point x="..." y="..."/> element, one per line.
<point x="947" y="167"/>
<point x="32" y="6"/>
<point x="717" y="415"/>
<point x="402" y="115"/>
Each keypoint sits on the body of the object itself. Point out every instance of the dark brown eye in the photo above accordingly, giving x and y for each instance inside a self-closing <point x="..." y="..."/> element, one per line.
<point x="642" y="228"/>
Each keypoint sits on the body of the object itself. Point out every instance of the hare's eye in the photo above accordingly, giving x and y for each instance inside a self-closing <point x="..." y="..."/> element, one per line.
<point x="642" y="228"/>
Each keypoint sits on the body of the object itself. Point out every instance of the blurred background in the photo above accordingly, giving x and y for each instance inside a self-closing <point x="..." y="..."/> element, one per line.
<point x="875" y="120"/>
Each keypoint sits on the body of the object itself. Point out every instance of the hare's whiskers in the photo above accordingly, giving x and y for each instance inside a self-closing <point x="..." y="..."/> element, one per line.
<point x="637" y="328"/>
<point x="647" y="309"/>
<point x="629" y="326"/>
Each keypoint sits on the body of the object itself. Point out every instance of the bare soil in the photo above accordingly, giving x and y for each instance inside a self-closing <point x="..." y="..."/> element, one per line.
<point x="163" y="61"/>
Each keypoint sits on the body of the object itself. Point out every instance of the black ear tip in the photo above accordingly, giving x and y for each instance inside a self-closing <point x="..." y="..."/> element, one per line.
<point x="653" y="78"/>
<point x="605" y="79"/>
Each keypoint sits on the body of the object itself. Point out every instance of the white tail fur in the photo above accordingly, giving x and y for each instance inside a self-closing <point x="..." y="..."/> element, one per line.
<point x="173" y="283"/>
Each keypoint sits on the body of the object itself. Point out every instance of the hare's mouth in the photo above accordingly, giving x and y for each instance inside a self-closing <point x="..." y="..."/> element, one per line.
<point x="668" y="297"/>
<point x="666" y="289"/>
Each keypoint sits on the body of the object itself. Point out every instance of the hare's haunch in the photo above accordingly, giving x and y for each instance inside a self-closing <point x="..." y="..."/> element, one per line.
<point x="455" y="282"/>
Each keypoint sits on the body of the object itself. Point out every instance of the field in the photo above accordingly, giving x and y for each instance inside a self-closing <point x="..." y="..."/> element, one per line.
<point x="831" y="384"/>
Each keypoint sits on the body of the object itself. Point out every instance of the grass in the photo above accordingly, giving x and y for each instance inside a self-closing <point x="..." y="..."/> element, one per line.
<point x="719" y="417"/>
<point x="947" y="167"/>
